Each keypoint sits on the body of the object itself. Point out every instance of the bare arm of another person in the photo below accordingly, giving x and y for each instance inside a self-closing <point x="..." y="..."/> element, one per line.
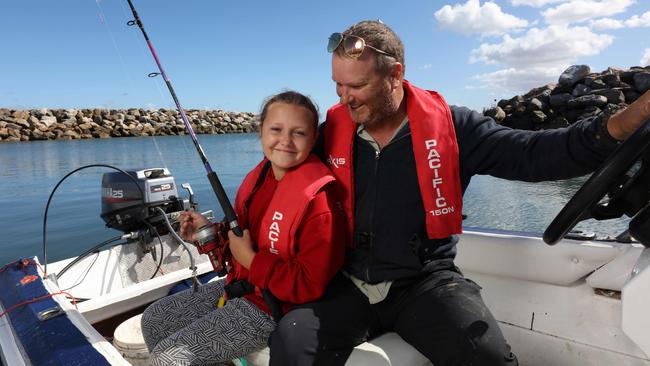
<point x="625" y="122"/>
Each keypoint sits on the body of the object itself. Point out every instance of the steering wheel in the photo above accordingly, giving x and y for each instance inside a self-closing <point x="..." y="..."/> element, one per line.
<point x="604" y="180"/>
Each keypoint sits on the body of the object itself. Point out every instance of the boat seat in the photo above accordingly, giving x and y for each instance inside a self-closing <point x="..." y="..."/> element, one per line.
<point x="386" y="350"/>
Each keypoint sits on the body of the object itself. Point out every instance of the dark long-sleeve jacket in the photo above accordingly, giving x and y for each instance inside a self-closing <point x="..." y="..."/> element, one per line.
<point x="390" y="240"/>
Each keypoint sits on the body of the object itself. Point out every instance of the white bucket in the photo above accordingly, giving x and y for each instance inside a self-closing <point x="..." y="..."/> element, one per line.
<point x="128" y="340"/>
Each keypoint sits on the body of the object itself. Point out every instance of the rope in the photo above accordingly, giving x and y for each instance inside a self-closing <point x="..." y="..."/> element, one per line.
<point x="36" y="299"/>
<point x="25" y="263"/>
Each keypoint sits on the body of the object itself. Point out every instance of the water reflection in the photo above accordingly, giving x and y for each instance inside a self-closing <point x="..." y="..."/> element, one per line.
<point x="502" y="204"/>
<point x="29" y="171"/>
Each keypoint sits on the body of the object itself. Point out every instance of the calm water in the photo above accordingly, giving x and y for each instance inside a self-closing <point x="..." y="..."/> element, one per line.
<point x="29" y="171"/>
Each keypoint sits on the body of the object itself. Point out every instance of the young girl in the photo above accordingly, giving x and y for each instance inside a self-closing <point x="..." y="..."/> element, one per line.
<point x="293" y="244"/>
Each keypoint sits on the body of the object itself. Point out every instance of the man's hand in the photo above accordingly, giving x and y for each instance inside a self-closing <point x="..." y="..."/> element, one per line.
<point x="242" y="248"/>
<point x="190" y="221"/>
<point x="625" y="122"/>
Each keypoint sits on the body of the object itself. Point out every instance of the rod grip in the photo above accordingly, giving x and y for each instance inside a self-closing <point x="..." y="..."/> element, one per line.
<point x="224" y="202"/>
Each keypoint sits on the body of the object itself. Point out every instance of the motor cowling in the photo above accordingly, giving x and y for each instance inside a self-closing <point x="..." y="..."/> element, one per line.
<point x="127" y="208"/>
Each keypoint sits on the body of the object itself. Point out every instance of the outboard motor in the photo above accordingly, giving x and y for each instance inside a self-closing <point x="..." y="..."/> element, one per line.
<point x="125" y="209"/>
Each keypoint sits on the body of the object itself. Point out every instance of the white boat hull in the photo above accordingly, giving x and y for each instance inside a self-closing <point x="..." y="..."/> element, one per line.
<point x="576" y="303"/>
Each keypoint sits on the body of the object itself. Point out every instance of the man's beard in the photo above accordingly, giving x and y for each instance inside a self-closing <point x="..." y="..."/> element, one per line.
<point x="381" y="108"/>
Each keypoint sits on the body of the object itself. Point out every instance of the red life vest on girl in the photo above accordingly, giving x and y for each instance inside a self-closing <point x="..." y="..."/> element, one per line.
<point x="283" y="215"/>
<point x="436" y="158"/>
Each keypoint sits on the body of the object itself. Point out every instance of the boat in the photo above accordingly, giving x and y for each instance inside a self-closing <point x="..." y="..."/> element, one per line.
<point x="583" y="301"/>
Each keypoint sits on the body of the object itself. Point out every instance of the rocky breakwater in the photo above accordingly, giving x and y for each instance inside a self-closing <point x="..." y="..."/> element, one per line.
<point x="578" y="94"/>
<point x="68" y="124"/>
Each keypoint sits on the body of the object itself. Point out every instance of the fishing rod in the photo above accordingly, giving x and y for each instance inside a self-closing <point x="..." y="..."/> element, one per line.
<point x="224" y="202"/>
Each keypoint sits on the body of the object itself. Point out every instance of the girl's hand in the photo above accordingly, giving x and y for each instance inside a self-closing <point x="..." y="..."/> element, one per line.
<point x="242" y="248"/>
<point x="190" y="221"/>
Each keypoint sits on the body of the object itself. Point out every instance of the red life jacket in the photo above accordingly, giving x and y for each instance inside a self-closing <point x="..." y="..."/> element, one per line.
<point x="436" y="157"/>
<point x="285" y="212"/>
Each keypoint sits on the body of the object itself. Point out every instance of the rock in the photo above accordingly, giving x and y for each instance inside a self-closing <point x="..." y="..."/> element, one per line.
<point x="72" y="134"/>
<point x="170" y="112"/>
<point x="628" y="75"/>
<point x="559" y="100"/>
<point x="642" y="82"/>
<point x="70" y="122"/>
<point x="13" y="131"/>
<point x="631" y="95"/>
<point x="538" y="117"/>
<point x="39" y="135"/>
<point x="535" y="105"/>
<point x="589" y="112"/>
<point x="247" y="127"/>
<point x="102" y="135"/>
<point x="539" y="93"/>
<point x="13" y="126"/>
<point x="612" y="80"/>
<point x="48" y="120"/>
<point x="573" y="74"/>
<point x="23" y="123"/>
<point x="496" y="113"/>
<point x="41" y="127"/>
<point x="595" y="83"/>
<point x="614" y="96"/>
<point x="580" y="90"/>
<point x="20" y="115"/>
<point x="587" y="101"/>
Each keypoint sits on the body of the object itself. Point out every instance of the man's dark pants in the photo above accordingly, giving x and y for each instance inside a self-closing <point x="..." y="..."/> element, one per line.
<point x="440" y="313"/>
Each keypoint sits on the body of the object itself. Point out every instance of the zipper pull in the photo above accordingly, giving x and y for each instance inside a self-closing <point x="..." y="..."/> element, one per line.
<point x="377" y="154"/>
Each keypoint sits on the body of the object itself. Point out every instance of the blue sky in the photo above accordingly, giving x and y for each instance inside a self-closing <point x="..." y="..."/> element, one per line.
<point x="232" y="54"/>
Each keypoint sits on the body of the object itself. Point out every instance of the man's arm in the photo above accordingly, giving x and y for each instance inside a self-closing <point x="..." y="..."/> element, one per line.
<point x="625" y="122"/>
<point x="486" y="147"/>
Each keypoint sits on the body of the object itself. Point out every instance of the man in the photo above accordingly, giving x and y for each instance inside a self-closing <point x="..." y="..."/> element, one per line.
<point x="403" y="158"/>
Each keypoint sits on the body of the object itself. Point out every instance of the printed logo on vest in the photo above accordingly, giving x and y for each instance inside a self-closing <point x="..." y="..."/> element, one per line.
<point x="274" y="231"/>
<point x="335" y="161"/>
<point x="435" y="164"/>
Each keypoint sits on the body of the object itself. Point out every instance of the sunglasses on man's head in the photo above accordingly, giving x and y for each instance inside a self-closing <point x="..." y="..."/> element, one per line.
<point x="353" y="46"/>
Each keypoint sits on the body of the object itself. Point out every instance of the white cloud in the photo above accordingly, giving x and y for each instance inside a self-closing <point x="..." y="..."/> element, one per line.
<point x="606" y="23"/>
<point x="547" y="47"/>
<point x="471" y="17"/>
<point x="639" y="21"/>
<point x="535" y="3"/>
<point x="425" y="67"/>
<point x="645" y="60"/>
<point x="515" y="81"/>
<point x="634" y="21"/>
<point x="536" y="58"/>
<point x="582" y="10"/>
